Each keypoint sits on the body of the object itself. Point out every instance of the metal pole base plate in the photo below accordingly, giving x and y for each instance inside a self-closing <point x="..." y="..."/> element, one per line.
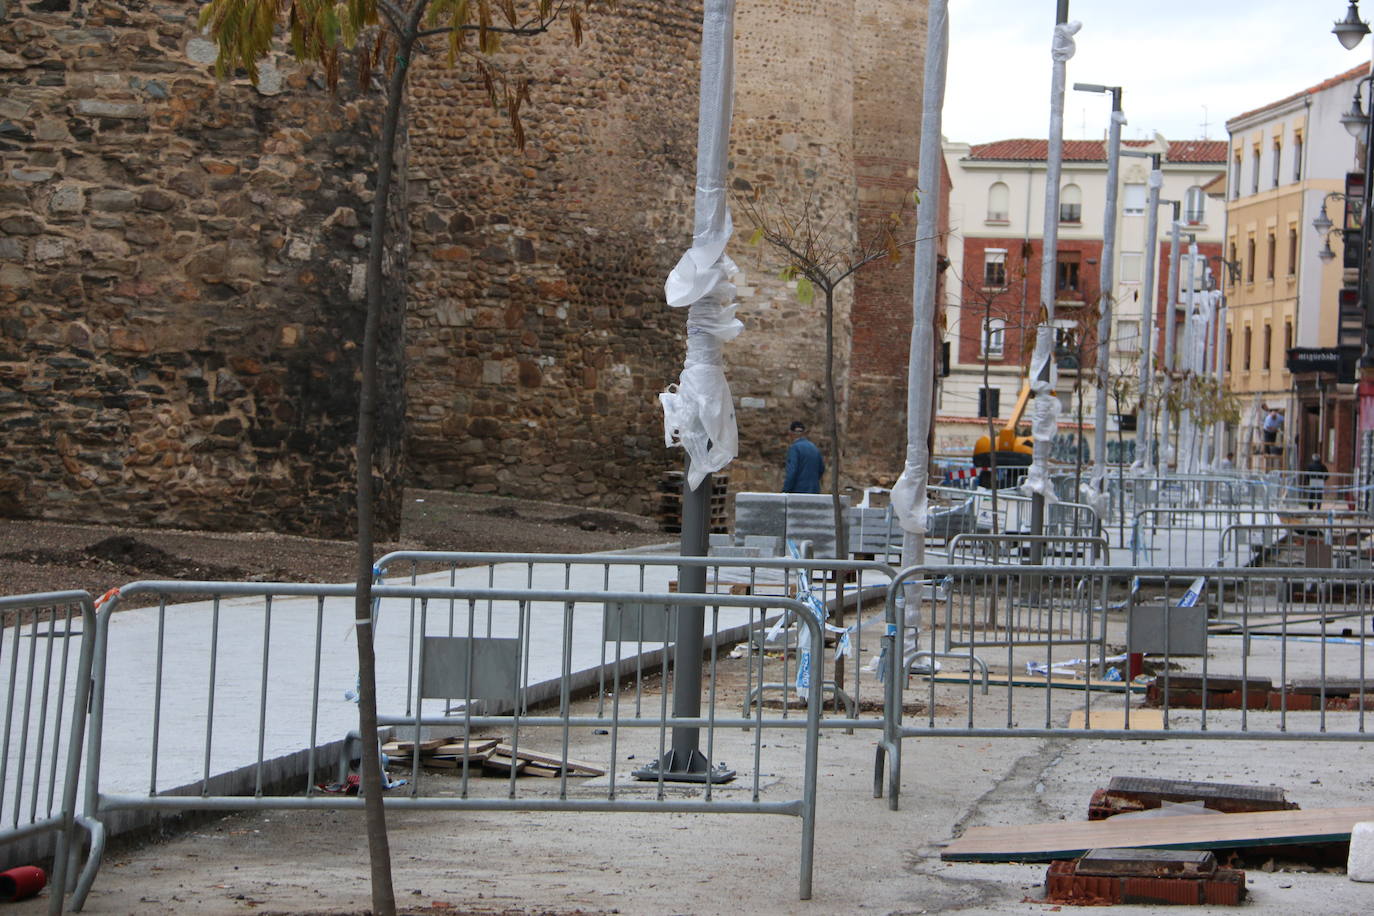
<point x="694" y="768"/>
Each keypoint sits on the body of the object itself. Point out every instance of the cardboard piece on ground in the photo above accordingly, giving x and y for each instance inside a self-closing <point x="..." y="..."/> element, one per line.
<point x="1001" y="679"/>
<point x="1114" y="719"/>
<point x="1066" y="839"/>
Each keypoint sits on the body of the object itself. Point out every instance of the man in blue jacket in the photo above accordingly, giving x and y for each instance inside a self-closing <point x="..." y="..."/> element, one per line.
<point x="805" y="466"/>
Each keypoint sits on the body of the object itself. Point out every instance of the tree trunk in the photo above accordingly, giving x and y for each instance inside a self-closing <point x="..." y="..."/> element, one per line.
<point x="379" y="847"/>
<point x="833" y="411"/>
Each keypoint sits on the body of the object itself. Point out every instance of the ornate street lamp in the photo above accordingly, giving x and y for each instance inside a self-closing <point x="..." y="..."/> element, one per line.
<point x="1351" y="30"/>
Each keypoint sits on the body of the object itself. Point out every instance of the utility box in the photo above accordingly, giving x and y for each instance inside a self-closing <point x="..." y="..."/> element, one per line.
<point x="1157" y="628"/>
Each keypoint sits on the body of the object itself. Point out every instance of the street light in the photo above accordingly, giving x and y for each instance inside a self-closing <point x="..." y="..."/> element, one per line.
<point x="1351" y="30"/>
<point x="1355" y="120"/>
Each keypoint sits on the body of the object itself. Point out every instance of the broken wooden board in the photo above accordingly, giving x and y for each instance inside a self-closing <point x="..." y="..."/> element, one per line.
<point x="1114" y="719"/>
<point x="575" y="767"/>
<point x="502" y="763"/>
<point x="996" y="679"/>
<point x="1067" y="839"/>
<point x="398" y="748"/>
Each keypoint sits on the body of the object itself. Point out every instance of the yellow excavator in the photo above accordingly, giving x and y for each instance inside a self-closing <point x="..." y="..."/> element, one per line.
<point x="1013" y="451"/>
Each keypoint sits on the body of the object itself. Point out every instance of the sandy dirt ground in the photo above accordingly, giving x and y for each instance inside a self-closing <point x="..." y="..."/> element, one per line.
<point x="37" y="556"/>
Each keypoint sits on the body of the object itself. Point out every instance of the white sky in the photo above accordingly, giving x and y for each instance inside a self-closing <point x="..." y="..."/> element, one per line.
<point x="1171" y="58"/>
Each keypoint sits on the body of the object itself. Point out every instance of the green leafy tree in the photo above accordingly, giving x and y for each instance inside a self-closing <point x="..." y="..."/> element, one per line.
<point x="383" y="37"/>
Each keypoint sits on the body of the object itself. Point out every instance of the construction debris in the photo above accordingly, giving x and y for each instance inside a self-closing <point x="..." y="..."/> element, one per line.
<point x="485" y="754"/>
<point x="1130" y="794"/>
<point x="1126" y="875"/>
<point x="1061" y="840"/>
<point x="1191" y="691"/>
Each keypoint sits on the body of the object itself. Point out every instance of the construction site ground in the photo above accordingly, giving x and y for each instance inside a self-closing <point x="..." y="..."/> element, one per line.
<point x="869" y="859"/>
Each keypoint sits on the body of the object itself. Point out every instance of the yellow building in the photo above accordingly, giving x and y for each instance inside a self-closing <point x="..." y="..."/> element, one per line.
<point x="1288" y="160"/>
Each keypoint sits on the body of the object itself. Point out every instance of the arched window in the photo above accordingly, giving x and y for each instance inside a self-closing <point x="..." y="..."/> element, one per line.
<point x="1071" y="204"/>
<point x="999" y="202"/>
<point x="1194" y="205"/>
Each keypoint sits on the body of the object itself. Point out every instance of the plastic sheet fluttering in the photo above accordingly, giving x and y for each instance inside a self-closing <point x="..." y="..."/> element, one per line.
<point x="805" y="650"/>
<point x="699" y="412"/>
<point x="1044" y="378"/>
<point x="908" y="499"/>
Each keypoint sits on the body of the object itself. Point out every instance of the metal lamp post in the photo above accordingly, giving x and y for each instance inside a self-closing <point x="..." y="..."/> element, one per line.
<point x="1106" y="276"/>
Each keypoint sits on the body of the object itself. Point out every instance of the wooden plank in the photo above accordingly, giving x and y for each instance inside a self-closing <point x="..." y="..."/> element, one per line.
<point x="574" y="766"/>
<point x="1115" y="719"/>
<point x="1039" y="680"/>
<point x="1066" y="840"/>
<point x="472" y="748"/>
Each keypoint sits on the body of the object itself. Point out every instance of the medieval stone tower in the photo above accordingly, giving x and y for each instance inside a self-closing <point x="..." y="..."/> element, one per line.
<point x="180" y="262"/>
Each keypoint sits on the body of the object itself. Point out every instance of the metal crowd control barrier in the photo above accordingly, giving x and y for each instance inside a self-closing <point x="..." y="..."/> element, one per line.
<point x="45" y="662"/>
<point x="248" y="682"/>
<point x="1319" y="542"/>
<point x="1193" y="536"/>
<point x="845" y="587"/>
<point x="1013" y="515"/>
<point x="1217" y="665"/>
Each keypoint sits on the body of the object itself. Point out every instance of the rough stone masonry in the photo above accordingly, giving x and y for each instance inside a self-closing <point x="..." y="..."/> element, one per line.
<point x="181" y="261"/>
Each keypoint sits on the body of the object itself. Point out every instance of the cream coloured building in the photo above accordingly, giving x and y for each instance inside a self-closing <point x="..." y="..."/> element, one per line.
<point x="1286" y="160"/>
<point x="996" y="213"/>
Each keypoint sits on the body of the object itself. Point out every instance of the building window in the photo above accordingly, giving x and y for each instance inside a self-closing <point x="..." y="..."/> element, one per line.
<point x="998" y="203"/>
<point x="1292" y="250"/>
<point x="1194" y="205"/>
<point x="1268" y="345"/>
<point x="988" y="399"/>
<point x="1287" y="337"/>
<point x="1067" y="268"/>
<point x="994" y="335"/>
<point x="995" y="268"/>
<point x="1235" y="178"/>
<point x="1133" y="198"/>
<point x="1130" y="266"/>
<point x="1128" y="336"/>
<point x="1230" y="353"/>
<point x="1254" y="170"/>
<point x="1278" y="156"/>
<point x="1269" y="268"/>
<point x="1245" y="350"/>
<point x="1250" y="260"/>
<point x="1297" y="156"/>
<point x="1071" y="204"/>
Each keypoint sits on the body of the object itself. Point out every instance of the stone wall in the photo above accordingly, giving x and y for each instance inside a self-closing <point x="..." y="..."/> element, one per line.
<point x="538" y="338"/>
<point x="891" y="42"/>
<point x="180" y="280"/>
<point x="181" y="261"/>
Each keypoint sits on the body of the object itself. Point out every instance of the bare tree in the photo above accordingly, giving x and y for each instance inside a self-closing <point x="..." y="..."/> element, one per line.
<point x="384" y="36"/>
<point x="819" y="256"/>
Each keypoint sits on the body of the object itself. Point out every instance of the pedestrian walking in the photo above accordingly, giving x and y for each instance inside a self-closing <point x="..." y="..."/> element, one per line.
<point x="805" y="466"/>
<point x="1314" y="480"/>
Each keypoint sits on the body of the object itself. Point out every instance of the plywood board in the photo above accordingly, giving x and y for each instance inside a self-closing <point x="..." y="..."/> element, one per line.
<point x="1065" y="840"/>
<point x="1115" y="719"/>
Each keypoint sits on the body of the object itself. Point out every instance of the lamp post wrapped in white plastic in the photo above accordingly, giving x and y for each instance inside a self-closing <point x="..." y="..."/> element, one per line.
<point x="1044" y="375"/>
<point x="698" y="412"/>
<point x="909" y="500"/>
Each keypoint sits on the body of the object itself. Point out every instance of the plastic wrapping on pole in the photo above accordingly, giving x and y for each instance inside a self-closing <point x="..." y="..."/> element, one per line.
<point x="1037" y="482"/>
<point x="909" y="498"/>
<point x="1144" y="457"/>
<point x="1044" y="415"/>
<point x="698" y="412"/>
